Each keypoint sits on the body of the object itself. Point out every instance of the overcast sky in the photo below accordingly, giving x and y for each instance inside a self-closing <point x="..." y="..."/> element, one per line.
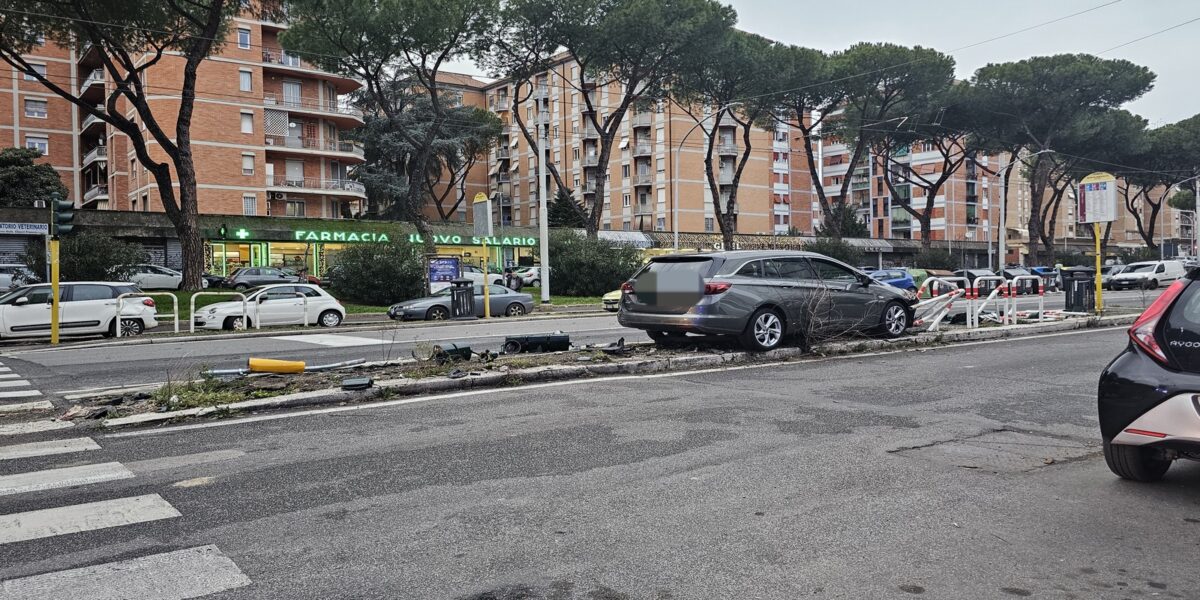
<point x="950" y="24"/>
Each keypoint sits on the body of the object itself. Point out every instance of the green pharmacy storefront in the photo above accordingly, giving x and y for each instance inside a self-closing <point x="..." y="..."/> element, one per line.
<point x="313" y="247"/>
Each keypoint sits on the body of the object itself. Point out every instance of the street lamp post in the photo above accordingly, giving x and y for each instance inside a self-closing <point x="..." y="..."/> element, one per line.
<point x="675" y="173"/>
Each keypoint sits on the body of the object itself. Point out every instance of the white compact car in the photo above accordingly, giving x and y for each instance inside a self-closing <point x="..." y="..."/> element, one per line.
<point x="154" y="277"/>
<point x="1147" y="275"/>
<point x="85" y="308"/>
<point x="280" y="304"/>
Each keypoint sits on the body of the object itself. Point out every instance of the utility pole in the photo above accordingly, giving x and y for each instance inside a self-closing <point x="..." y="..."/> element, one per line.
<point x="61" y="215"/>
<point x="543" y="212"/>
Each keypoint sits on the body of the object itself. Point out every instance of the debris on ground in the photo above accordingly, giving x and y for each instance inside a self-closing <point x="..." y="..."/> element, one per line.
<point x="544" y="342"/>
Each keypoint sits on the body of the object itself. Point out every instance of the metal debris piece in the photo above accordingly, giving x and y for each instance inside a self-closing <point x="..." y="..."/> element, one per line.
<point x="357" y="383"/>
<point x="545" y="342"/>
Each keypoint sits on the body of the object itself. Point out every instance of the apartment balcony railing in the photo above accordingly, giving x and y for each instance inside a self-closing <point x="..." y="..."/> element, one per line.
<point x="93" y="78"/>
<point x="95" y="154"/>
<point x="501" y="154"/>
<point x="503" y="177"/>
<point x="642" y="119"/>
<point x="588" y="187"/>
<point x="317" y="184"/>
<point x="500" y="105"/>
<point x="96" y="192"/>
<point x="502" y="199"/>
<point x="540" y="92"/>
<point x="90" y="121"/>
<point x="643" y="208"/>
<point x="643" y="149"/>
<point x="280" y="57"/>
<point x="727" y="148"/>
<point x="590" y="133"/>
<point x="643" y="179"/>
<point x="311" y="143"/>
<point x="311" y="104"/>
<point x="591" y="160"/>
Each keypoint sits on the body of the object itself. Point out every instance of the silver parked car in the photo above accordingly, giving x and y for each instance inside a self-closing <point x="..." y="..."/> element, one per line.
<point x="437" y="307"/>
<point x="761" y="297"/>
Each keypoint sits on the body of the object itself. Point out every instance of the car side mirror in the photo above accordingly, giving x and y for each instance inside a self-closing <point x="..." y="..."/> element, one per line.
<point x="22" y="301"/>
<point x="262" y="299"/>
<point x="866" y="280"/>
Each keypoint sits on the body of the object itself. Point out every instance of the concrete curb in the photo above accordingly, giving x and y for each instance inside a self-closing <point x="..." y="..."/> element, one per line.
<point x="414" y="387"/>
<point x="165" y="338"/>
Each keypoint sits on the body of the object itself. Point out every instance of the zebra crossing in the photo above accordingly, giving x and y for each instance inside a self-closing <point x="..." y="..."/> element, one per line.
<point x="187" y="573"/>
<point x="17" y="394"/>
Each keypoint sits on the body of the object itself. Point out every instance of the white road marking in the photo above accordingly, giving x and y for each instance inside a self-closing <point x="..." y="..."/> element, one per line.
<point x="49" y="522"/>
<point x="5" y="370"/>
<point x="20" y="394"/>
<point x="9" y="376"/>
<point x="14" y="383"/>
<point x="26" y="406"/>
<point x="32" y="449"/>
<point x="36" y="481"/>
<point x="34" y="426"/>
<point x="584" y="381"/>
<point x="186" y="460"/>
<point x="335" y="341"/>
<point x="188" y="573"/>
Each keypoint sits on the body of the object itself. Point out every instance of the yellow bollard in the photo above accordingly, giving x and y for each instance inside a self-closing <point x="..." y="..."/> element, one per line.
<point x="270" y="365"/>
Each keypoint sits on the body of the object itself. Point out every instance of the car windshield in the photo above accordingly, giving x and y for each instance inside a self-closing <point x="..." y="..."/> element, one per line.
<point x="1142" y="268"/>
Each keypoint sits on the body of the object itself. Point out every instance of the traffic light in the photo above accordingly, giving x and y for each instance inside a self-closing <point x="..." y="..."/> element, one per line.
<point x="62" y="213"/>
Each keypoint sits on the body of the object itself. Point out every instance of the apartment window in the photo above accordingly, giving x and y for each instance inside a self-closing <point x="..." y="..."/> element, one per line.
<point x="245" y="80"/>
<point x="780" y="156"/>
<point x="40" y="143"/>
<point x="145" y="202"/>
<point x="247" y="122"/>
<point x="294" y="209"/>
<point x="247" y="164"/>
<point x="243" y="38"/>
<point x="575" y="153"/>
<point x="625" y="171"/>
<point x="780" y="198"/>
<point x="625" y="200"/>
<point x="626" y="226"/>
<point x="662" y="165"/>
<point x="784" y="178"/>
<point x="661" y="224"/>
<point x="36" y="68"/>
<point x="708" y="224"/>
<point x="35" y="108"/>
<point x="249" y="204"/>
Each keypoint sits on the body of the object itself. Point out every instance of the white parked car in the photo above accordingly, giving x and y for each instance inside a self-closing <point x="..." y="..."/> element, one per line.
<point x="85" y="308"/>
<point x="530" y="275"/>
<point x="154" y="277"/>
<point x="475" y="274"/>
<point x="280" y="304"/>
<point x="1147" y="275"/>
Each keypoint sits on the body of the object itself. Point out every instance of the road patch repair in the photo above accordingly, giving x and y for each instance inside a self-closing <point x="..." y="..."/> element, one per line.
<point x="438" y="370"/>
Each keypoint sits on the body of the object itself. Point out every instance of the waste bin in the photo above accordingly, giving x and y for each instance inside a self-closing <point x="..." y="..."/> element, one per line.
<point x="1079" y="285"/>
<point x="462" y="299"/>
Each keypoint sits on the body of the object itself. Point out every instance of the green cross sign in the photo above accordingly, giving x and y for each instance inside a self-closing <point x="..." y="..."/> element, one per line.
<point x="241" y="234"/>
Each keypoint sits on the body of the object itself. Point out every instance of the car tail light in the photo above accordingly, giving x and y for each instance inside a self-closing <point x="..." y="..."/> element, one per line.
<point x="716" y="287"/>
<point x="626" y="288"/>
<point x="1142" y="331"/>
<point x="148" y="302"/>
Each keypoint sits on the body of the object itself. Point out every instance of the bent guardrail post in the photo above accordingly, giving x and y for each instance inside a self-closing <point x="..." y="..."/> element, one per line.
<point x="1041" y="294"/>
<point x="991" y="295"/>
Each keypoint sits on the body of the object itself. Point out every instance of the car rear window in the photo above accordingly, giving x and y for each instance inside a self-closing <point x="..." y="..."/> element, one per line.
<point x="1146" y="268"/>
<point x="1181" y="332"/>
<point x="700" y="266"/>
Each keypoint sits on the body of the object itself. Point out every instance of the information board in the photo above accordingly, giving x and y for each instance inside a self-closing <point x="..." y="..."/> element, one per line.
<point x="1097" y="198"/>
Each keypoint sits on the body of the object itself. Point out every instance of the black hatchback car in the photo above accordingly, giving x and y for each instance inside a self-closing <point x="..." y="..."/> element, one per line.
<point x="1149" y="395"/>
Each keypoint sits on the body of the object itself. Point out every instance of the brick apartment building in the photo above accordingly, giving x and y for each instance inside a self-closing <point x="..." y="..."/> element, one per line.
<point x="642" y="180"/>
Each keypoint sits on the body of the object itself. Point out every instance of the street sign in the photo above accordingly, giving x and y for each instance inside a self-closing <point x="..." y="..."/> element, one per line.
<point x="24" y="229"/>
<point x="481" y="214"/>
<point x="1097" y="198"/>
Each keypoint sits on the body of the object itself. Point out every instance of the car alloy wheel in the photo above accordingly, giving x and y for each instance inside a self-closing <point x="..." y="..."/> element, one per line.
<point x="330" y="318"/>
<point x="768" y="330"/>
<point x="515" y="310"/>
<point x="895" y="319"/>
<point x="437" y="313"/>
<point x="131" y="327"/>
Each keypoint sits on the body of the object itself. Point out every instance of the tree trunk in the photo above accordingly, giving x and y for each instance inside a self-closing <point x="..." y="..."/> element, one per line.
<point x="1037" y="187"/>
<point x="186" y="223"/>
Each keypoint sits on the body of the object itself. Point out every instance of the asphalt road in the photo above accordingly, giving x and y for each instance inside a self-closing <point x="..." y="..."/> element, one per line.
<point x="970" y="471"/>
<point x="71" y="369"/>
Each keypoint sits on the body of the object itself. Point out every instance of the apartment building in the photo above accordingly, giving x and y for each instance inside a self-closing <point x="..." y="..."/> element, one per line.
<point x="658" y="156"/>
<point x="455" y="192"/>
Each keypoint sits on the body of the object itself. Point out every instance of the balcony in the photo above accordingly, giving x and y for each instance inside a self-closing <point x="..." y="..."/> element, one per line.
<point x="727" y="149"/>
<point x="642" y="119"/>
<point x="501" y="199"/>
<point x="318" y="185"/>
<point x="283" y="142"/>
<point x="500" y="153"/>
<point x="97" y="192"/>
<point x="97" y="154"/>
<point x="591" y="160"/>
<point x="540" y="92"/>
<point x="643" y="179"/>
<point x="95" y="78"/>
<point x="588" y="187"/>
<point x="643" y="149"/>
<point x="500" y="105"/>
<point x="283" y="58"/>
<point x="88" y="54"/>
<point x="312" y="105"/>
<point x="503" y="177"/>
<point x="590" y="133"/>
<point x="92" y="124"/>
<point x="643" y="208"/>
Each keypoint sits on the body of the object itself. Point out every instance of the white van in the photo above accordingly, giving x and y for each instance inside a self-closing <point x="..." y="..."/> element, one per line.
<point x="1147" y="275"/>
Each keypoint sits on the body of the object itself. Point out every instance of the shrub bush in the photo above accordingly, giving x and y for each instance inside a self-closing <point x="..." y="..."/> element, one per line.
<point x="86" y="257"/>
<point x="378" y="274"/>
<point x="834" y="248"/>
<point x="581" y="266"/>
<point x="936" y="259"/>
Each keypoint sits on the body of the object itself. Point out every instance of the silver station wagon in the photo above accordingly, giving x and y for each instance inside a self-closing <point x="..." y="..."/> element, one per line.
<point x="761" y="297"/>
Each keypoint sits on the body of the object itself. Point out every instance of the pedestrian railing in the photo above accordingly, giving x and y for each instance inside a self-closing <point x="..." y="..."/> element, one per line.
<point x="118" y="319"/>
<point x="979" y="305"/>
<point x="939" y="303"/>
<point x="245" y="313"/>
<point x="1015" y="288"/>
